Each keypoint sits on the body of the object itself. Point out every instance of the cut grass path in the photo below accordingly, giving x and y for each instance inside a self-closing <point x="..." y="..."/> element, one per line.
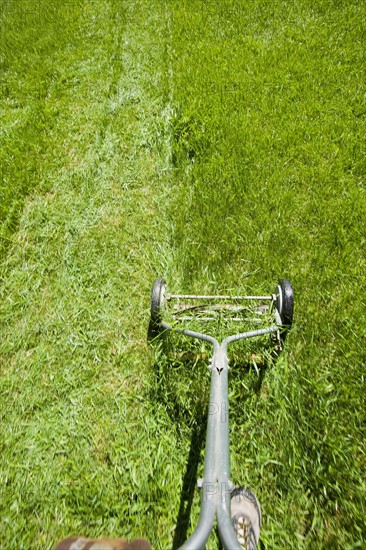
<point x="81" y="449"/>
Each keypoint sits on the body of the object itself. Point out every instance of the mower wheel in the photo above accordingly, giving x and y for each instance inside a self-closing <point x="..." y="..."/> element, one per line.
<point x="285" y="301"/>
<point x="158" y="295"/>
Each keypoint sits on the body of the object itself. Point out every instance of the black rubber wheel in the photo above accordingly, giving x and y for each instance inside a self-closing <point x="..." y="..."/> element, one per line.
<point x="158" y="298"/>
<point x="285" y="302"/>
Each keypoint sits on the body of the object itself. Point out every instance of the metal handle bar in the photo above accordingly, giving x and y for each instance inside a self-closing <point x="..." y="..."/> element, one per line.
<point x="217" y="486"/>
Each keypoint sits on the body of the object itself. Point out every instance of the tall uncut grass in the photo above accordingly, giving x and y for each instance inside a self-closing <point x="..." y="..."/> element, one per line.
<point x="269" y="158"/>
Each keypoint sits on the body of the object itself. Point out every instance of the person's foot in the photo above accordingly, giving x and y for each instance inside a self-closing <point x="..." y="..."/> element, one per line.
<point x="81" y="543"/>
<point x="246" y="517"/>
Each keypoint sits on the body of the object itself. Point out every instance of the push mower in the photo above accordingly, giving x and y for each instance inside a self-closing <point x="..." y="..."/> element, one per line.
<point x="236" y="509"/>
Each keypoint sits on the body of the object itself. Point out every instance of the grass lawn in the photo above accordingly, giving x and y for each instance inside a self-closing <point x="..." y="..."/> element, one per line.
<point x="220" y="144"/>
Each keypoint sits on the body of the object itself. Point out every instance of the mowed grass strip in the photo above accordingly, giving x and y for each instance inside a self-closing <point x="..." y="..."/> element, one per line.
<point x="269" y="157"/>
<point x="85" y="449"/>
<point x="32" y="35"/>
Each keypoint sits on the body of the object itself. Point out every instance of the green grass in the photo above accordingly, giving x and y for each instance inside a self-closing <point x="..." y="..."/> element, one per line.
<point x="221" y="145"/>
<point x="269" y="152"/>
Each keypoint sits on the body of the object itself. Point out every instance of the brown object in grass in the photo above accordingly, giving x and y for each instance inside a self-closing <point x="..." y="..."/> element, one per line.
<point x="82" y="543"/>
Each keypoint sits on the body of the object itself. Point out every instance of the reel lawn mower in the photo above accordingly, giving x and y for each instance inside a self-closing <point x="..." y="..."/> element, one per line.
<point x="236" y="509"/>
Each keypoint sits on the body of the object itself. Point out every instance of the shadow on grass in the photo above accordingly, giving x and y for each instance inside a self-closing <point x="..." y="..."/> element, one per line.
<point x="190" y="480"/>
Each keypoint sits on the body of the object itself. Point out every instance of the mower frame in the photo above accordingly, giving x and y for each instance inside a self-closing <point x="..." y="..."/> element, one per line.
<point x="216" y="484"/>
